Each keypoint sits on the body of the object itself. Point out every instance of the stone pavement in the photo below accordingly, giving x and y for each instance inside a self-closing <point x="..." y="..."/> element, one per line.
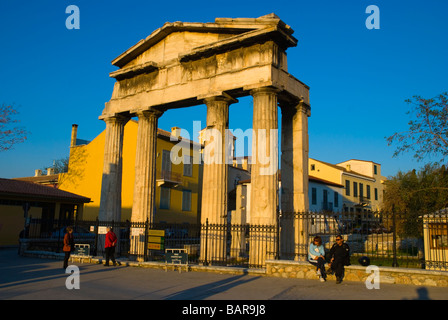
<point x="44" y="279"/>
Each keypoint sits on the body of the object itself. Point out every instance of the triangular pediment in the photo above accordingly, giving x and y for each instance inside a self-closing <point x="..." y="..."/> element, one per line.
<point x="180" y="39"/>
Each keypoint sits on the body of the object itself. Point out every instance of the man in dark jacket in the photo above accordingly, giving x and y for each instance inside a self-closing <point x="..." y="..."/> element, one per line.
<point x="339" y="257"/>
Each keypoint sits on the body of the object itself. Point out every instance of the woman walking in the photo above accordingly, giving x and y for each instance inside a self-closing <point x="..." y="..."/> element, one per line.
<point x="69" y="245"/>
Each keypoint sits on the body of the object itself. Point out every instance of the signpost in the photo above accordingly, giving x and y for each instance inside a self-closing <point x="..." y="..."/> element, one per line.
<point x="156" y="239"/>
<point x="82" y="250"/>
<point x="176" y="257"/>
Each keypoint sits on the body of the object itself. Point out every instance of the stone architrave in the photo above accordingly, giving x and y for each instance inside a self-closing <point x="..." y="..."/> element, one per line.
<point x="294" y="181"/>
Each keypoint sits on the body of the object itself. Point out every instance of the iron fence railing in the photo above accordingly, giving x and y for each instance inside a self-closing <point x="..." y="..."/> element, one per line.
<point x="386" y="239"/>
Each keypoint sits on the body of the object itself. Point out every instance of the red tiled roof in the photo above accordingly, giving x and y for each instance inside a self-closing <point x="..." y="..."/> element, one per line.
<point x="23" y="189"/>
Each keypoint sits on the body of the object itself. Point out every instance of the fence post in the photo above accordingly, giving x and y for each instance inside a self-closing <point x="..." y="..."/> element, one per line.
<point x="206" y="242"/>
<point x="394" y="235"/>
<point x="97" y="224"/>
<point x="145" y="245"/>
<point x="277" y="249"/>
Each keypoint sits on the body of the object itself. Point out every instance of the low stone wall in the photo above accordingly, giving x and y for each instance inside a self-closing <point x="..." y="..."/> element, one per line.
<point x="409" y="276"/>
<point x="285" y="269"/>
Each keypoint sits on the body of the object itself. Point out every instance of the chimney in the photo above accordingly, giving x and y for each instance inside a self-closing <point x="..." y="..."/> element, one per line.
<point x="348" y="167"/>
<point x="37" y="173"/>
<point x="175" y="131"/>
<point x="74" y="134"/>
<point x="50" y="171"/>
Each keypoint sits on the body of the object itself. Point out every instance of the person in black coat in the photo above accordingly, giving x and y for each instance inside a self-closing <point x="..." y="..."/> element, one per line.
<point x="339" y="257"/>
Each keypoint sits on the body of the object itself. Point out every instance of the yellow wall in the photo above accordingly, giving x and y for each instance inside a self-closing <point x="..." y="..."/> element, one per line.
<point x="175" y="214"/>
<point x="12" y="222"/>
<point x="373" y="179"/>
<point x="324" y="171"/>
<point x="350" y="200"/>
<point x="85" y="174"/>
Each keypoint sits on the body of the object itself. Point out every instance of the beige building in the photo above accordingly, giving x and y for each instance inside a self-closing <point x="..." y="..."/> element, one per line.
<point x="363" y="184"/>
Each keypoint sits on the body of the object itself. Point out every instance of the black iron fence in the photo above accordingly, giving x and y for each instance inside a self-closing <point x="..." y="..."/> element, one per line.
<point x="386" y="239"/>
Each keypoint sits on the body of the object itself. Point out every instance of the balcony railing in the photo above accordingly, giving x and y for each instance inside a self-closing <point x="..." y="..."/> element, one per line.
<point x="168" y="178"/>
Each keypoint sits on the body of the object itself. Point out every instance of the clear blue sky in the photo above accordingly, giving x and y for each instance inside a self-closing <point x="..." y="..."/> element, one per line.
<point x="359" y="78"/>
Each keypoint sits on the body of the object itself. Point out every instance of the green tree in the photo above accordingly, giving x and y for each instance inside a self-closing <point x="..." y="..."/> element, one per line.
<point x="428" y="131"/>
<point x="415" y="193"/>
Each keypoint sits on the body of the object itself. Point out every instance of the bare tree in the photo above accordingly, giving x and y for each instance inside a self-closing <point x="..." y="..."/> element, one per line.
<point x="59" y="166"/>
<point x="428" y="132"/>
<point x="10" y="134"/>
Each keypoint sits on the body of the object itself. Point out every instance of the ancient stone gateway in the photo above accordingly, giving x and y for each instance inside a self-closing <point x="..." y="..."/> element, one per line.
<point x="186" y="64"/>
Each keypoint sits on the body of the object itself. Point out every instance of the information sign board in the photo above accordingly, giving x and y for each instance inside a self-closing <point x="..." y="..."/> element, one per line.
<point x="82" y="250"/>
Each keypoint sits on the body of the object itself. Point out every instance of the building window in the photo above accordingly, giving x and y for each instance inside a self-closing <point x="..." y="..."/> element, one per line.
<point x="438" y="233"/>
<point x="164" y="198"/>
<point x="166" y="161"/>
<point x="313" y="196"/>
<point x="336" y="199"/>
<point x="375" y="169"/>
<point x="186" y="200"/>
<point x="188" y="166"/>
<point x="355" y="189"/>
<point x="313" y="167"/>
<point x="376" y="194"/>
<point x="347" y="187"/>
<point x="325" y="202"/>
<point x="361" y="190"/>
<point x="368" y="192"/>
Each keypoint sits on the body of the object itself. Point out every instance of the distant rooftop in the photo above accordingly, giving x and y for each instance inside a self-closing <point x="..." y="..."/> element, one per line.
<point x="21" y="189"/>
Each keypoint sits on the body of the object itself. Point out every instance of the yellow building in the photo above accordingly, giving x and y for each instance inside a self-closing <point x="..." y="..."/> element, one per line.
<point x="362" y="181"/>
<point x="178" y="185"/>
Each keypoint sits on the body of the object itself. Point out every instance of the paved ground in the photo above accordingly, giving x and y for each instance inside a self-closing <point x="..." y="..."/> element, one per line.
<point x="42" y="279"/>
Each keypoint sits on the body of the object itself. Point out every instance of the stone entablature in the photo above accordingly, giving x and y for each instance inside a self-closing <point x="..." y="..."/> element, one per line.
<point x="181" y="63"/>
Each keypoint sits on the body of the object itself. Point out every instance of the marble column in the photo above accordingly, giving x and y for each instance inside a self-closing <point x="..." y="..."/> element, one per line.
<point x="110" y="203"/>
<point x="143" y="207"/>
<point x="294" y="164"/>
<point x="214" y="185"/>
<point x="264" y="176"/>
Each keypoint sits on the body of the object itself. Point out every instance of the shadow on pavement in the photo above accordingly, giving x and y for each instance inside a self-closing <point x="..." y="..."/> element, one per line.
<point x="210" y="289"/>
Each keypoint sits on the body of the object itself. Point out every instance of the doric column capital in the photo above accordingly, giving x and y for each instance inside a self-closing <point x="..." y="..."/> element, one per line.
<point x="149" y="113"/>
<point x="304" y="107"/>
<point x="289" y="109"/>
<point x="223" y="97"/>
<point x="264" y="90"/>
<point x="117" y="118"/>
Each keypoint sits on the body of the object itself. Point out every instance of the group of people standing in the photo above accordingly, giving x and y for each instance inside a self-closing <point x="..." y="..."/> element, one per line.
<point x="339" y="258"/>
<point x="109" y="246"/>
